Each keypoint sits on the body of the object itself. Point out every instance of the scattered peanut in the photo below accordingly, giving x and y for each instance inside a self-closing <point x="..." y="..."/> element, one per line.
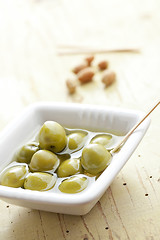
<point x="89" y="60"/>
<point x="79" y="67"/>
<point x="71" y="85"/>
<point x="108" y="78"/>
<point x="86" y="75"/>
<point x="103" y="65"/>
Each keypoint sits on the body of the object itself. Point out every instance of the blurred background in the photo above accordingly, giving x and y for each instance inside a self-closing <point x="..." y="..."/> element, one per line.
<point x="31" y="71"/>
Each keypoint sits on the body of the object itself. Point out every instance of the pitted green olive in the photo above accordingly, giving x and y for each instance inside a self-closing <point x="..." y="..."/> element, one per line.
<point x="95" y="158"/>
<point x="63" y="157"/>
<point x="39" y="181"/>
<point x="74" y="184"/>
<point x="76" y="140"/>
<point x="44" y="160"/>
<point x="26" y="152"/>
<point x="103" y="139"/>
<point x="69" y="167"/>
<point x="14" y="176"/>
<point x="52" y="136"/>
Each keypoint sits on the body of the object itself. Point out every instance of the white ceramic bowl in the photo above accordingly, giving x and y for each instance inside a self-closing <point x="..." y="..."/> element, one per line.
<point x="97" y="117"/>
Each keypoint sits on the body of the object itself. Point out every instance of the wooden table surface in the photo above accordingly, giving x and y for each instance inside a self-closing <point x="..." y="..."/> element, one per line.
<point x="31" y="71"/>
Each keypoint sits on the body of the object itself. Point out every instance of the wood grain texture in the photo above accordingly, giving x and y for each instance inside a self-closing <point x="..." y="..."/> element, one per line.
<point x="30" y="71"/>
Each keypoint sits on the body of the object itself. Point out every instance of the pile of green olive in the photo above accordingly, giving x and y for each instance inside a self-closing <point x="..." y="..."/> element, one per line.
<point x="59" y="158"/>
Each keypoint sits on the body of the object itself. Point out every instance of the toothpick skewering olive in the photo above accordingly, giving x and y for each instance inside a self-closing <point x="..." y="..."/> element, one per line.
<point x="95" y="158"/>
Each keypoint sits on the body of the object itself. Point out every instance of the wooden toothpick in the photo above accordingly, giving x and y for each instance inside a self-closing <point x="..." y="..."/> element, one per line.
<point x="98" y="51"/>
<point x="74" y="49"/>
<point x="132" y="130"/>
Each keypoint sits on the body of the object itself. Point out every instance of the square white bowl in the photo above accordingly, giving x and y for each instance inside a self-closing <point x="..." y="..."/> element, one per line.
<point x="101" y="118"/>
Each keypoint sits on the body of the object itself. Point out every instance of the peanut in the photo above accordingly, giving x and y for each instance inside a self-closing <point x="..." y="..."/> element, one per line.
<point x="108" y="78"/>
<point x="86" y="75"/>
<point x="71" y="85"/>
<point x="89" y="60"/>
<point x="103" y="65"/>
<point x="79" y="67"/>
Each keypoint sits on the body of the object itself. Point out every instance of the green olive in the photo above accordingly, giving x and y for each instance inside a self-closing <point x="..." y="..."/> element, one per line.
<point x="44" y="160"/>
<point x="69" y="167"/>
<point x="39" y="181"/>
<point x="26" y="152"/>
<point x="52" y="136"/>
<point x="76" y="140"/>
<point x="74" y="184"/>
<point x="103" y="139"/>
<point x="63" y="157"/>
<point x="14" y="176"/>
<point x="95" y="158"/>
